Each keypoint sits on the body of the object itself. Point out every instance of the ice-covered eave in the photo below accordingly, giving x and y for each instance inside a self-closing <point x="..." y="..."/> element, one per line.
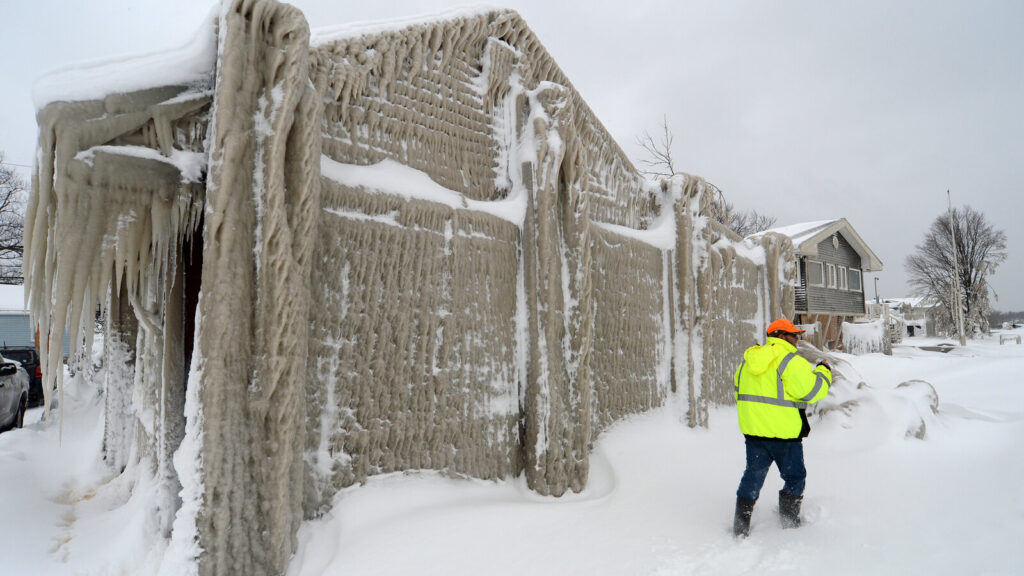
<point x="354" y="30"/>
<point x="394" y="178"/>
<point x="117" y="212"/>
<point x="457" y="26"/>
<point x="191" y="64"/>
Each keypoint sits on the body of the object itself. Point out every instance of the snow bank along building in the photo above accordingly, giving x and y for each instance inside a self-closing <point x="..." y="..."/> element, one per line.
<point x="371" y="249"/>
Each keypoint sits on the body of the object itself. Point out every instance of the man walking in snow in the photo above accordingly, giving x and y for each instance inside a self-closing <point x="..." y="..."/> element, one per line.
<point x="773" y="388"/>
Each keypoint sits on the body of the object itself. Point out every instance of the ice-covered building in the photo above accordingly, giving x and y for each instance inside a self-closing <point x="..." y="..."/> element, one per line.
<point x="401" y="246"/>
<point x="916" y="313"/>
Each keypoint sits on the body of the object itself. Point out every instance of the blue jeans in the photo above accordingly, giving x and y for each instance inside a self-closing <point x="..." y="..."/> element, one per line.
<point x="787" y="455"/>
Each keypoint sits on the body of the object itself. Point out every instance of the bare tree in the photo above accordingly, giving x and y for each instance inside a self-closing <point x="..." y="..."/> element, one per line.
<point x="659" y="162"/>
<point x="12" y="223"/>
<point x="980" y="249"/>
<point x="747" y="222"/>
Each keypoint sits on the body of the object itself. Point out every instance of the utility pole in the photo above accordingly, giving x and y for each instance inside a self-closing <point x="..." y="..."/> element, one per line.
<point x="957" y="302"/>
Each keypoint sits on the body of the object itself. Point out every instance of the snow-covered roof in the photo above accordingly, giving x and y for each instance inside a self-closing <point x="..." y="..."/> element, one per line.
<point x="913" y="301"/>
<point x="807" y="235"/>
<point x="798" y="232"/>
<point x="194" y="62"/>
<point x="190" y="64"/>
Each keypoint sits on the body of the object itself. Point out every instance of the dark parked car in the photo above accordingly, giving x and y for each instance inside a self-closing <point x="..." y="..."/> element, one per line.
<point x="28" y="357"/>
<point x="13" y="395"/>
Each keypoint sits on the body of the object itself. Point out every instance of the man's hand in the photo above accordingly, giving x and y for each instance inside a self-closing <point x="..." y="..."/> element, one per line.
<point x="825" y="364"/>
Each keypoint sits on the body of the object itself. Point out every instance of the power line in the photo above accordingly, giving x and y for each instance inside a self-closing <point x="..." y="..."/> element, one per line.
<point x="16" y="164"/>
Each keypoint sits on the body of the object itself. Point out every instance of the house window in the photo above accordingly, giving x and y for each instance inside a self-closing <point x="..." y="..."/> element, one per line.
<point x="815" y="277"/>
<point x="855" y="280"/>
<point x="842" y="278"/>
<point x="831" y="270"/>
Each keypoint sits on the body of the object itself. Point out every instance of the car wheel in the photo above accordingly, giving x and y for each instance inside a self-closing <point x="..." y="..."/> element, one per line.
<point x="19" y="418"/>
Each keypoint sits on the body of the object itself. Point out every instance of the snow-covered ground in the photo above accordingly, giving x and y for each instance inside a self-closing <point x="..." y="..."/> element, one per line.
<point x="660" y="500"/>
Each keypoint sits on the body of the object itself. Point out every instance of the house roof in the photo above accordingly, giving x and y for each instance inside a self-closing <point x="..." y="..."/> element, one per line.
<point x="913" y="301"/>
<point x="807" y="235"/>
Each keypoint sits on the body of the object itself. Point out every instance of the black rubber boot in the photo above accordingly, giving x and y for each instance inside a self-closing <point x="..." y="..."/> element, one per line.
<point x="741" y="523"/>
<point x="789" y="510"/>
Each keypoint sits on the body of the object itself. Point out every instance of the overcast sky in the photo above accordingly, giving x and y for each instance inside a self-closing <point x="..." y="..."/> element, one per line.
<point x="868" y="110"/>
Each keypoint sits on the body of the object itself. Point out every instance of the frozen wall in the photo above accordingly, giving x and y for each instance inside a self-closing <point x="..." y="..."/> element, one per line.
<point x="253" y="314"/>
<point x="630" y="359"/>
<point x="413" y="352"/>
<point x="743" y="286"/>
<point x="481" y="325"/>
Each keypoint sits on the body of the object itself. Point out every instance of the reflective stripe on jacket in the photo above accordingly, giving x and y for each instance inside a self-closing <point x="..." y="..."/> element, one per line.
<point x="772" y="385"/>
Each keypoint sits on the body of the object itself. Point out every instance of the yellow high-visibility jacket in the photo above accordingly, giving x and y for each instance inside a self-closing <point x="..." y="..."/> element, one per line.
<point x="773" y="385"/>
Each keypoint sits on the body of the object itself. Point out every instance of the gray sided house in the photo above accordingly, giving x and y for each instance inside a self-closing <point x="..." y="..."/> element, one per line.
<point x="330" y="256"/>
<point x="831" y="261"/>
<point x="16" y="328"/>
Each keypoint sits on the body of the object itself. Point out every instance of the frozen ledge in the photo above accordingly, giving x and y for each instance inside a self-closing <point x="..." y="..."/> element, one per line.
<point x="746" y="248"/>
<point x="192" y="165"/>
<point x="394" y="178"/>
<point x="661" y="234"/>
